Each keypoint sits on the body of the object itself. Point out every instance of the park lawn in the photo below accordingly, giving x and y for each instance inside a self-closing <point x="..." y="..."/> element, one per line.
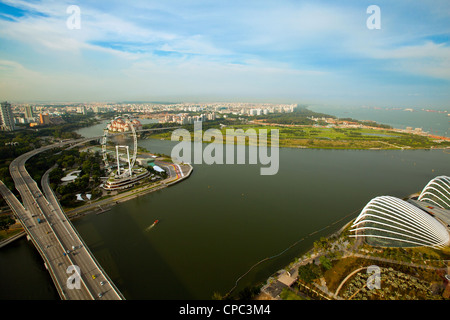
<point x="287" y="294"/>
<point x="332" y="138"/>
<point x="341" y="268"/>
<point x="334" y="144"/>
<point x="161" y="135"/>
<point x="14" y="229"/>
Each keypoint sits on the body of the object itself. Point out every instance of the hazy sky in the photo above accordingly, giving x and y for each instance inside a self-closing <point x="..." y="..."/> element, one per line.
<point x="227" y="50"/>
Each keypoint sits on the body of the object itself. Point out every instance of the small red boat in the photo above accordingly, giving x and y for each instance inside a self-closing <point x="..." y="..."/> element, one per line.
<point x="156" y="221"/>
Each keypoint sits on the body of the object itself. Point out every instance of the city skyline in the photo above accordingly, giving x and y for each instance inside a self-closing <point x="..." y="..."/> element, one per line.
<point x="293" y="52"/>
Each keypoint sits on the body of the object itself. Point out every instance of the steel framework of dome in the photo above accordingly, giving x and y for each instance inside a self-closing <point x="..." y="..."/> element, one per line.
<point x="391" y="222"/>
<point x="437" y="191"/>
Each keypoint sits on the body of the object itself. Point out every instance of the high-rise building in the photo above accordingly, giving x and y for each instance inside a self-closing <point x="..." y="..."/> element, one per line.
<point x="6" y="117"/>
<point x="82" y="110"/>
<point x="28" y="112"/>
<point x="44" y="118"/>
<point x="98" y="109"/>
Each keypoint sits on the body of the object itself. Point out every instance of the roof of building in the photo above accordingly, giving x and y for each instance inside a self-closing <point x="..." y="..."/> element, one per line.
<point x="391" y="222"/>
<point x="157" y="168"/>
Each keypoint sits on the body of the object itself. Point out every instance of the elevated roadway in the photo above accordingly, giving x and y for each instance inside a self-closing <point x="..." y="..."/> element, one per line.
<point x="74" y="270"/>
<point x="64" y="252"/>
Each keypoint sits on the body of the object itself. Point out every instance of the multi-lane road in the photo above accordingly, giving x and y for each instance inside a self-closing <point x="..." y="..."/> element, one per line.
<point x="73" y="268"/>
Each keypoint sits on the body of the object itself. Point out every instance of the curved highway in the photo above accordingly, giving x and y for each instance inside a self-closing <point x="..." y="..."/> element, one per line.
<point x="73" y="268"/>
<point x="63" y="251"/>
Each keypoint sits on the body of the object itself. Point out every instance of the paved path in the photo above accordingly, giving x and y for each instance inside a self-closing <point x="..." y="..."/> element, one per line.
<point x="346" y="278"/>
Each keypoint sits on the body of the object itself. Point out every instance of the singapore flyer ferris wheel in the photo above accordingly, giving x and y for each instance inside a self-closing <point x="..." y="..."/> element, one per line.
<point x="123" y="125"/>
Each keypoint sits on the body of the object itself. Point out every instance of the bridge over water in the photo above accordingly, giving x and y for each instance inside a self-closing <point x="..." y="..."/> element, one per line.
<point x="74" y="270"/>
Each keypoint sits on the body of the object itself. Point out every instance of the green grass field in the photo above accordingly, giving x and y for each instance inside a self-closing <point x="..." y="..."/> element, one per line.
<point x="335" y="138"/>
<point x="287" y="294"/>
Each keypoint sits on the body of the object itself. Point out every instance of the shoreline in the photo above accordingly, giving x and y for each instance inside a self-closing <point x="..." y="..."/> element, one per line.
<point x="294" y="264"/>
<point x="270" y="288"/>
<point x="291" y="276"/>
<point x="95" y="207"/>
<point x="12" y="238"/>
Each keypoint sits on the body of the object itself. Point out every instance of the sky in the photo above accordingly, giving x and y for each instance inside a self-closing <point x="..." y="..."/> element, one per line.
<point x="307" y="52"/>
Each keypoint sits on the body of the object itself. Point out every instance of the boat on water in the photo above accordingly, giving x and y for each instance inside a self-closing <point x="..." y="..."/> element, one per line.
<point x="152" y="225"/>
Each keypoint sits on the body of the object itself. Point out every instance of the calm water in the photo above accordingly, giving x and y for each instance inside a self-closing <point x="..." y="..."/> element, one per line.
<point x="223" y="219"/>
<point x="22" y="273"/>
<point x="432" y="122"/>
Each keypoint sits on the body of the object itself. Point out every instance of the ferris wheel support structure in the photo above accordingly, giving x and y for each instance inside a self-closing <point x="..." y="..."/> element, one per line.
<point x="131" y="161"/>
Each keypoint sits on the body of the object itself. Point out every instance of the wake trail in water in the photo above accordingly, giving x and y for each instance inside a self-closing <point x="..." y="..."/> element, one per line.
<point x="152" y="225"/>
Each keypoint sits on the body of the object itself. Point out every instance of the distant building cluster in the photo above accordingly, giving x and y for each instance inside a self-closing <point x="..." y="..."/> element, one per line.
<point x="185" y="118"/>
<point x="50" y="113"/>
<point x="415" y="130"/>
<point x="44" y="119"/>
<point x="27" y="114"/>
<point x="332" y="122"/>
<point x="12" y="116"/>
<point x="120" y="125"/>
<point x="237" y="108"/>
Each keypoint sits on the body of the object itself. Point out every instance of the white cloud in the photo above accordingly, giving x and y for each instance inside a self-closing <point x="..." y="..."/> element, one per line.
<point x="428" y="59"/>
<point x="294" y="48"/>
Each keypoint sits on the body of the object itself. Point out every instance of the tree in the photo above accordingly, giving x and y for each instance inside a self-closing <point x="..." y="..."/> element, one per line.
<point x="325" y="262"/>
<point x="6" y="222"/>
<point x="96" y="193"/>
<point x="308" y="273"/>
<point x="217" y="296"/>
<point x="321" y="244"/>
<point x="56" y="175"/>
<point x="86" y="166"/>
<point x="248" y="293"/>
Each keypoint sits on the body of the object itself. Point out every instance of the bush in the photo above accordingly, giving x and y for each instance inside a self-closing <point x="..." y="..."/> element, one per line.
<point x="309" y="272"/>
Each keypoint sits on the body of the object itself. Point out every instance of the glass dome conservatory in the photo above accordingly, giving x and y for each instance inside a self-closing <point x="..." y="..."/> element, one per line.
<point x="391" y="222"/>
<point x="437" y="192"/>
